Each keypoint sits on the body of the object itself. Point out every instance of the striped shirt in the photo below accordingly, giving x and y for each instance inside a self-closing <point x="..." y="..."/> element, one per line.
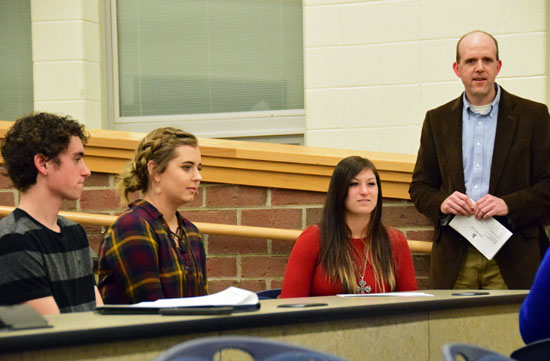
<point x="139" y="260"/>
<point x="37" y="262"/>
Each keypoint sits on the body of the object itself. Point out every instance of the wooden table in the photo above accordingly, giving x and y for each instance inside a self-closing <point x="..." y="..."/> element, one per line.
<point x="355" y="328"/>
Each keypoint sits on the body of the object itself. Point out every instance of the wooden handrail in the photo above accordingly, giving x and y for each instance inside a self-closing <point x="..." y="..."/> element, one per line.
<point x="420" y="246"/>
<point x="256" y="164"/>
<point x="106" y="220"/>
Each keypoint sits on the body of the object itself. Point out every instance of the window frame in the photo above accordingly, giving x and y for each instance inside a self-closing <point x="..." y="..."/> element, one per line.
<point x="290" y="122"/>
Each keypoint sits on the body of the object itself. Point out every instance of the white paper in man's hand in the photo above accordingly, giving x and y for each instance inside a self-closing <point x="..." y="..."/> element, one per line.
<point x="487" y="235"/>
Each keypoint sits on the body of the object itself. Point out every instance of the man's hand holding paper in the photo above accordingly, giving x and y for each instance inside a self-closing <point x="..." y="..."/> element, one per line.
<point x="458" y="203"/>
<point x="490" y="206"/>
<point x="475" y="222"/>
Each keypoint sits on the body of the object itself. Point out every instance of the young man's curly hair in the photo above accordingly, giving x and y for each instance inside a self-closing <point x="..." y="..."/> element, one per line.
<point x="37" y="133"/>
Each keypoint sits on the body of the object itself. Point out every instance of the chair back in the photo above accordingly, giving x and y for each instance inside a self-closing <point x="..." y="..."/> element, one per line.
<point x="259" y="349"/>
<point x="535" y="351"/>
<point x="452" y="351"/>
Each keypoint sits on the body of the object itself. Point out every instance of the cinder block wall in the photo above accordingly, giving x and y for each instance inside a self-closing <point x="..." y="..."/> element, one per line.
<point x="249" y="263"/>
<point x="372" y="68"/>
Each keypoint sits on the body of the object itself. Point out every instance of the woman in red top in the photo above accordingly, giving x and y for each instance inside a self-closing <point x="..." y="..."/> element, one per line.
<point x="350" y="251"/>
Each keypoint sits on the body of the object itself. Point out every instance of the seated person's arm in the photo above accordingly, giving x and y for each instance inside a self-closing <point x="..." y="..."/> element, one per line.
<point x="405" y="278"/>
<point x="130" y="255"/>
<point x="301" y="265"/>
<point x="98" y="299"/>
<point x="534" y="316"/>
<point x="24" y="278"/>
<point x="44" y="305"/>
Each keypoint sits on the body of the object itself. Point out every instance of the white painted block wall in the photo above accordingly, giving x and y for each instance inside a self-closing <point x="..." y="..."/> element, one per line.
<point x="373" y="68"/>
<point x="66" y="58"/>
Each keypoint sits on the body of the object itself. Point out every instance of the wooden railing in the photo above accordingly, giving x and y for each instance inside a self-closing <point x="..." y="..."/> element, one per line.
<point x="254" y="163"/>
<point x="214" y="228"/>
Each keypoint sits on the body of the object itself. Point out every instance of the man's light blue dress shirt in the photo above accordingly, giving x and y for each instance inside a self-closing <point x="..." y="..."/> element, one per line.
<point x="478" y="142"/>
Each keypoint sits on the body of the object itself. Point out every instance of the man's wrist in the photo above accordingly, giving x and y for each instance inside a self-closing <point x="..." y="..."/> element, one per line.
<point x="444" y="219"/>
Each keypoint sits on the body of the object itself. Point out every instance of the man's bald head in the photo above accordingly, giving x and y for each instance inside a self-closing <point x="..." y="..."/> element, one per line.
<point x="472" y="33"/>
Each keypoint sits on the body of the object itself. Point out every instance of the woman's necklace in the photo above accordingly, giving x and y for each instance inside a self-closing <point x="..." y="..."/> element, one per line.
<point x="363" y="287"/>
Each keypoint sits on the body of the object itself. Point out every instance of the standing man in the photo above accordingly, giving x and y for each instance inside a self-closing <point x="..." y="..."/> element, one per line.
<point x="45" y="258"/>
<point x="486" y="154"/>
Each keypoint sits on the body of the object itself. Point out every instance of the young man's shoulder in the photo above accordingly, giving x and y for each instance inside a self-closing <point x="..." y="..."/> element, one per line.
<point x="71" y="228"/>
<point x="19" y="230"/>
<point x="66" y="222"/>
<point x="17" y="222"/>
<point x="20" y="222"/>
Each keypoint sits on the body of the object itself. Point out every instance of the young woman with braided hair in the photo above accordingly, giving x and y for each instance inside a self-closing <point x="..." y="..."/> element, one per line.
<point x="350" y="251"/>
<point x="152" y="251"/>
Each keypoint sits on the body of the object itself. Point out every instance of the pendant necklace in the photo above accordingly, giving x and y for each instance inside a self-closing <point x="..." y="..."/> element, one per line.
<point x="363" y="287"/>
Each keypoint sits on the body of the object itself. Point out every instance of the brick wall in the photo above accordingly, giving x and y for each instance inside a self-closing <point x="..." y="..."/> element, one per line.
<point x="249" y="263"/>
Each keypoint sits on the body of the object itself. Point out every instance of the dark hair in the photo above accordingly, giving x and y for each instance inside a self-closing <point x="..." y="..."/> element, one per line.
<point x="472" y="32"/>
<point x="37" y="133"/>
<point x="159" y="146"/>
<point x="336" y="256"/>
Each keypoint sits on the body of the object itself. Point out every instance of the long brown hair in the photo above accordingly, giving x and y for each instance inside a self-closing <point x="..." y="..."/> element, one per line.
<point x="336" y="256"/>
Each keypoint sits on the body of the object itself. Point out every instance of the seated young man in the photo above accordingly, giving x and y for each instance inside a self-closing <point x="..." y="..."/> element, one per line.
<point x="45" y="258"/>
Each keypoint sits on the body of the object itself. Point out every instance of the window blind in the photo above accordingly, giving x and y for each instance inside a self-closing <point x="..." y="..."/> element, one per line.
<point x="16" y="93"/>
<point x="209" y="56"/>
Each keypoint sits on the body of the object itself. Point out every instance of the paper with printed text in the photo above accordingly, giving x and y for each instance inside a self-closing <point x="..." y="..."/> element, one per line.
<point x="487" y="235"/>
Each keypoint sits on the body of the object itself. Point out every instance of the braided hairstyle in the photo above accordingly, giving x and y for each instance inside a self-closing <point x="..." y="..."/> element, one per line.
<point x="157" y="146"/>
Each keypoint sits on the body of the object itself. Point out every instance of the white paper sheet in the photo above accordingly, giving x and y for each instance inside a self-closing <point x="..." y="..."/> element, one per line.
<point x="231" y="296"/>
<point x="387" y="294"/>
<point x="487" y="235"/>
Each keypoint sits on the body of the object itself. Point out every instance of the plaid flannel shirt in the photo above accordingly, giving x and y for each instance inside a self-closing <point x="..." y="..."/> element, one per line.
<point x="138" y="260"/>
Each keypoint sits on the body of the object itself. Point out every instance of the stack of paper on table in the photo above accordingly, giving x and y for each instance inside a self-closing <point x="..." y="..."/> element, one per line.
<point x="238" y="298"/>
<point x="231" y="296"/>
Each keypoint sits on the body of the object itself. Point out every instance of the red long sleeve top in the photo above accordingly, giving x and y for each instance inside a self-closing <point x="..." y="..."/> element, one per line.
<point x="304" y="276"/>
